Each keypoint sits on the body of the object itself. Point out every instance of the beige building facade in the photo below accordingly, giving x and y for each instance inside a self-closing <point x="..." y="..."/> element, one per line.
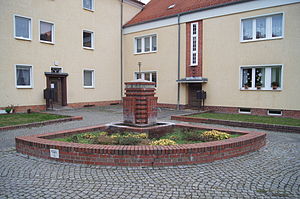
<point x="80" y="57"/>
<point x="240" y="71"/>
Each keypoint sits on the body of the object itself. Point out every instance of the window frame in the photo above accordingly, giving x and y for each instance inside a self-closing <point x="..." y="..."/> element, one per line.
<point x="53" y="32"/>
<point x="267" y="79"/>
<point x="92" y="39"/>
<point x="30" y="27"/>
<point x="93" y="77"/>
<point x="143" y="44"/>
<point x="268" y="27"/>
<point x="191" y="43"/>
<point x="143" y="75"/>
<point x="31" y="76"/>
<point x="274" y="114"/>
<point x="88" y="9"/>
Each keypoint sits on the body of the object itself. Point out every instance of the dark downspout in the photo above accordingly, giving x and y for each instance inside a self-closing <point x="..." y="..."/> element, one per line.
<point x="121" y="32"/>
<point x="178" y="64"/>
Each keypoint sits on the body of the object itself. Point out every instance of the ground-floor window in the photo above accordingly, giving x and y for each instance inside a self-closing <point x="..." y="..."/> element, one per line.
<point x="150" y="76"/>
<point x="261" y="77"/>
<point x="24" y="76"/>
<point x="88" y="78"/>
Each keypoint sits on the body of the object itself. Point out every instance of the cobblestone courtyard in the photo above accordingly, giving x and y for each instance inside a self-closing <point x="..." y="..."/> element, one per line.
<point x="272" y="172"/>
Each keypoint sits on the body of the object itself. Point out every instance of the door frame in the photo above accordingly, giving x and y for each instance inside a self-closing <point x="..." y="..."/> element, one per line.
<point x="63" y="77"/>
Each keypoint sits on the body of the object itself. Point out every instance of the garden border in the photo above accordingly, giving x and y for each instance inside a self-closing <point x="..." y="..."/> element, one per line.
<point x="269" y="127"/>
<point x="118" y="155"/>
<point x="47" y="122"/>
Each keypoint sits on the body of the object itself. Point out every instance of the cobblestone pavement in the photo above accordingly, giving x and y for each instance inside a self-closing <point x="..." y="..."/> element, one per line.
<point x="272" y="172"/>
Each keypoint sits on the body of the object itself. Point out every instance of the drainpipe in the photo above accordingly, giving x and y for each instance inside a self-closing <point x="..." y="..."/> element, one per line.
<point x="121" y="51"/>
<point x="178" y="63"/>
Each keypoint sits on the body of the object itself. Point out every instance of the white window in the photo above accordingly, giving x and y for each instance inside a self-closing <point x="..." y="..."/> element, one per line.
<point x="261" y="77"/>
<point x="150" y="76"/>
<point x="194" y="44"/>
<point x="24" y="76"/>
<point x="261" y="28"/>
<point x="245" y="110"/>
<point x="146" y="44"/>
<point x="46" y="32"/>
<point x="88" y="78"/>
<point x="88" y="39"/>
<point x="275" y="112"/>
<point x="88" y="4"/>
<point x="22" y="27"/>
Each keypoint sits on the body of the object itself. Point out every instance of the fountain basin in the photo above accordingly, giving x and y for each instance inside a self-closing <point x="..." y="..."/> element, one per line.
<point x="118" y="155"/>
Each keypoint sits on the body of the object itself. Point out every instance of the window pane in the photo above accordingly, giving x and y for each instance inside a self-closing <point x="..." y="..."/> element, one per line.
<point x="88" y="4"/>
<point x="147" y="76"/>
<point x="87" y="39"/>
<point x="154" y="43"/>
<point x="88" y="78"/>
<point x="23" y="75"/>
<point x="247" y="77"/>
<point x="247" y="29"/>
<point x="194" y="29"/>
<point x="22" y="27"/>
<point x="260" y="77"/>
<point x="147" y="44"/>
<point x="194" y="43"/>
<point x="139" y="45"/>
<point x="154" y="79"/>
<point x="46" y="31"/>
<point x="261" y="28"/>
<point x="194" y="61"/>
<point x="277" y="25"/>
<point x="138" y="76"/>
<point x="276" y="76"/>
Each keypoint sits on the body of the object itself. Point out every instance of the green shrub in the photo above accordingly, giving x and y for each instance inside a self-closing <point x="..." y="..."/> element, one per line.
<point x="213" y="135"/>
<point x="106" y="140"/>
<point x="75" y="138"/>
<point x="192" y="135"/>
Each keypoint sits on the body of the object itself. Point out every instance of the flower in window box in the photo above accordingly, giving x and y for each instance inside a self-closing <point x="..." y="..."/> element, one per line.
<point x="274" y="85"/>
<point x="258" y="85"/>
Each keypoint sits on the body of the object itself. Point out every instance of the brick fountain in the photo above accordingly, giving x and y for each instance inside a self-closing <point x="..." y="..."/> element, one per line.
<point x="140" y="115"/>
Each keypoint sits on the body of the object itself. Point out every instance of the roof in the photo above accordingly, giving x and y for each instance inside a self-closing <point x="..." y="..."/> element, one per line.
<point x="192" y="80"/>
<point x="158" y="9"/>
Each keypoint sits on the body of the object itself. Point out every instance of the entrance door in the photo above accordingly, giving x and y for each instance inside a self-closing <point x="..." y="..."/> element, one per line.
<point x="193" y="101"/>
<point x="56" y="84"/>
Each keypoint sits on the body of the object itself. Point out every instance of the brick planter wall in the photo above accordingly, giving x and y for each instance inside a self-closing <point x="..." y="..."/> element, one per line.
<point x="113" y="155"/>
<point x="270" y="127"/>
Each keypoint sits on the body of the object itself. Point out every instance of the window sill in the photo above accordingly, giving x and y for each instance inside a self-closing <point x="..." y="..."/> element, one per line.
<point x="88" y="48"/>
<point x="141" y="53"/>
<point x="89" y="87"/>
<point x="47" y="42"/>
<point x="262" y="89"/>
<point x="90" y="10"/>
<point x="23" y="38"/>
<point x="264" y="39"/>
<point x="24" y="87"/>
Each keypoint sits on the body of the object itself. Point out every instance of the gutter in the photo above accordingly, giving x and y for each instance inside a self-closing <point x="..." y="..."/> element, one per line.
<point x="121" y="51"/>
<point x="178" y="62"/>
<point x="189" y="12"/>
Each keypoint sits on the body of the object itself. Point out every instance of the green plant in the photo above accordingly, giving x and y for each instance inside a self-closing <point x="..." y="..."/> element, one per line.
<point x="275" y="85"/>
<point x="192" y="135"/>
<point x="9" y="108"/>
<point x="213" y="135"/>
<point x="75" y="138"/>
<point x="105" y="140"/>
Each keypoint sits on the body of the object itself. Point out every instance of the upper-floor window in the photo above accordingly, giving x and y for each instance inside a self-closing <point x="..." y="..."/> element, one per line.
<point x="22" y="27"/>
<point x="194" y="44"/>
<point x="46" y="32"/>
<point x="88" y="4"/>
<point x="146" y="44"/>
<point x="261" y="77"/>
<point x="149" y="76"/>
<point x="88" y="39"/>
<point x="263" y="27"/>
<point x="24" y="76"/>
<point x="88" y="78"/>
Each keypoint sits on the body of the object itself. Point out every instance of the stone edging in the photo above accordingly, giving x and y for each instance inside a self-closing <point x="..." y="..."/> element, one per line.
<point x="35" y="124"/>
<point x="114" y="155"/>
<point x="269" y="127"/>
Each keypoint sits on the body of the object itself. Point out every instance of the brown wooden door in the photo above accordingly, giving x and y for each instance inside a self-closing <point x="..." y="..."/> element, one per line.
<point x="56" y="84"/>
<point x="193" y="101"/>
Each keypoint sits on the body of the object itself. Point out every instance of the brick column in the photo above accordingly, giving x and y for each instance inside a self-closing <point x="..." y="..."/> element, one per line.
<point x="140" y="105"/>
